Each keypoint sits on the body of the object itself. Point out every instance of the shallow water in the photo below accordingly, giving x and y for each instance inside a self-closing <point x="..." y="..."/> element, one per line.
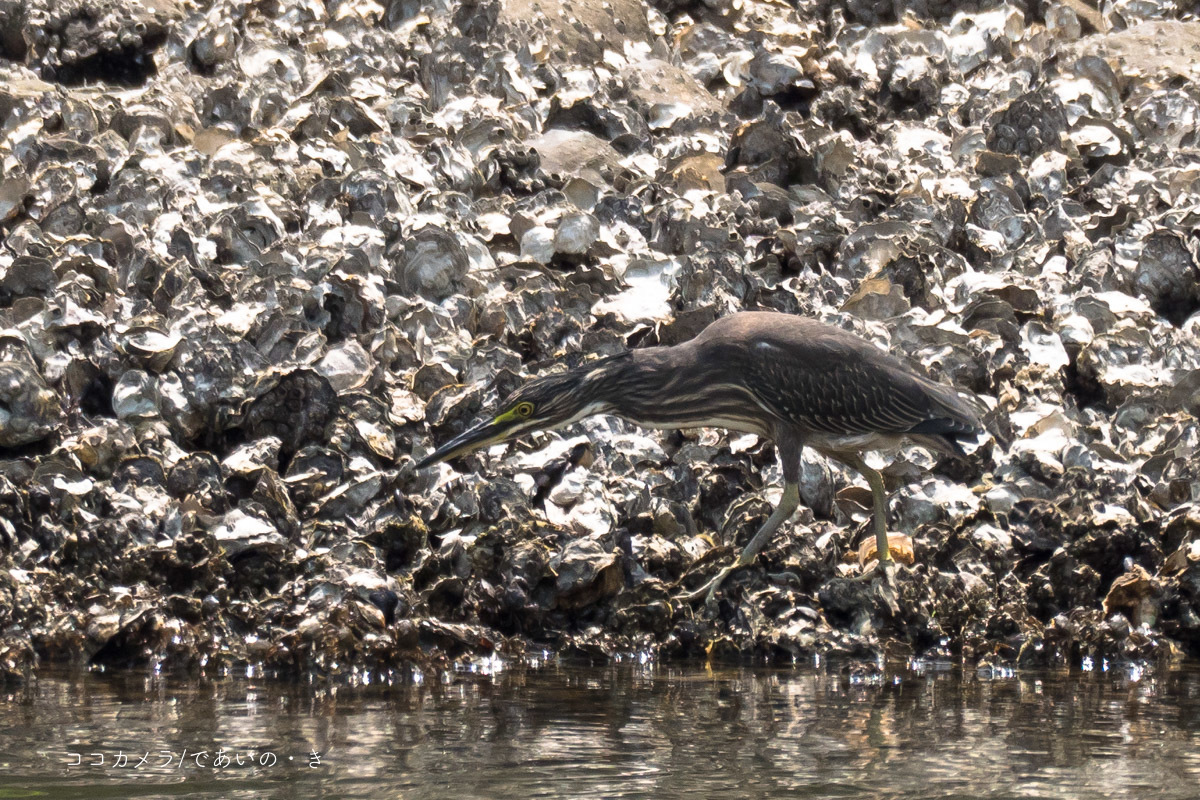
<point x="621" y="731"/>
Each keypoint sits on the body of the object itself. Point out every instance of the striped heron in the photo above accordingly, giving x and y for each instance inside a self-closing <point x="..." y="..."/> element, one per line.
<point x="796" y="381"/>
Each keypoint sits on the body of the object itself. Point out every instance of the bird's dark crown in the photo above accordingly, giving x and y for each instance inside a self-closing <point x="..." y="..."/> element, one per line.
<point x="560" y="396"/>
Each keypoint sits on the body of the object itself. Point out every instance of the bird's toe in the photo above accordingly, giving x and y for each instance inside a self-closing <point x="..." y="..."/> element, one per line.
<point x="709" y="590"/>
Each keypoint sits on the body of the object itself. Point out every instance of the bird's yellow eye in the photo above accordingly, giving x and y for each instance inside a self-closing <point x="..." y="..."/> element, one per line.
<point x="523" y="409"/>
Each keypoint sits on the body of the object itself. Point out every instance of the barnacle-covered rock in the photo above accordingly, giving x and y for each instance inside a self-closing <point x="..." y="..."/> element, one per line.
<point x="567" y="30"/>
<point x="586" y="574"/>
<point x="1168" y="276"/>
<point x="29" y="410"/>
<point x="1030" y="125"/>
<point x="577" y="154"/>
<point x="83" y="41"/>
<point x="295" y="411"/>
<point x="1158" y="49"/>
<point x="665" y="93"/>
<point x="241" y="301"/>
<point x="432" y="263"/>
<point x="216" y="43"/>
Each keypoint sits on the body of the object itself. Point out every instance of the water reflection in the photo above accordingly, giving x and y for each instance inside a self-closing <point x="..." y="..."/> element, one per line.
<point x="624" y="731"/>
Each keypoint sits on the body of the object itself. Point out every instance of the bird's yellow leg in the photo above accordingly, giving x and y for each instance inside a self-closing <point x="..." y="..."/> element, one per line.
<point x="879" y="495"/>
<point x="787" y="506"/>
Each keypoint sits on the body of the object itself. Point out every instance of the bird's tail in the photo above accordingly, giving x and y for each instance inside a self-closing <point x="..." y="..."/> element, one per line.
<point x="952" y="419"/>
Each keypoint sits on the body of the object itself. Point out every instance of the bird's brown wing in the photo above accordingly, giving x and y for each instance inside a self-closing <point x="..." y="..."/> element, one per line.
<point x="821" y="379"/>
<point x="845" y="399"/>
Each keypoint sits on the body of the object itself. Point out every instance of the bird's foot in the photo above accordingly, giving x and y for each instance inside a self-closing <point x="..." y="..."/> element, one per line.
<point x="881" y="570"/>
<point x="709" y="590"/>
<point x="886" y="571"/>
<point x="885" y="588"/>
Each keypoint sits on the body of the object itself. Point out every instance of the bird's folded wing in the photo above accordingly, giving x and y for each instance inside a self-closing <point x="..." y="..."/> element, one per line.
<point x="842" y="399"/>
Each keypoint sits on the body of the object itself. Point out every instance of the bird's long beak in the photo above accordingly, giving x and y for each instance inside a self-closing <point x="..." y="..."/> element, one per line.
<point x="481" y="435"/>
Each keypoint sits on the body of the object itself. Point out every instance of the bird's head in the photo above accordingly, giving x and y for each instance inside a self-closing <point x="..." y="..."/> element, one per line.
<point x="544" y="403"/>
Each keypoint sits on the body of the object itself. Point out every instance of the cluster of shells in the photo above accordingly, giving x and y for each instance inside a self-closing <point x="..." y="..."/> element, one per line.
<point x="258" y="256"/>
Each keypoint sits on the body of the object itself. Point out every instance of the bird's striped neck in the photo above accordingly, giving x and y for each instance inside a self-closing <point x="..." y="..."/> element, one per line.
<point x="663" y="387"/>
